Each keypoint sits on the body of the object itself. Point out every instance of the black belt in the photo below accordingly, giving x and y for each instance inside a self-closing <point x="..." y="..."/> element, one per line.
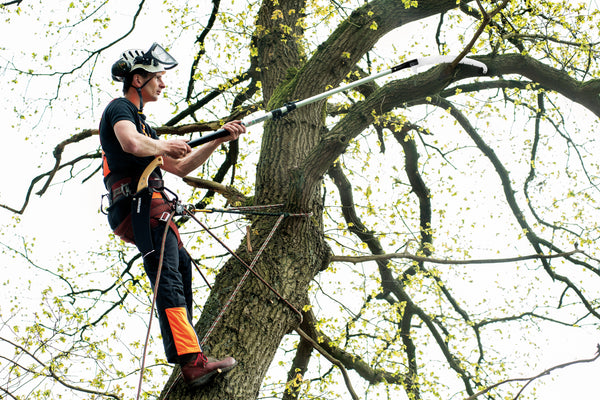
<point x="124" y="188"/>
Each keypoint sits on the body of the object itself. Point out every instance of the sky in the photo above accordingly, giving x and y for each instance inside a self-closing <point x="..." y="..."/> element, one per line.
<point x="68" y="216"/>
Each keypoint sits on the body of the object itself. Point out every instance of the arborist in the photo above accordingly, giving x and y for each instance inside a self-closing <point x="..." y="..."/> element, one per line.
<point x="129" y="145"/>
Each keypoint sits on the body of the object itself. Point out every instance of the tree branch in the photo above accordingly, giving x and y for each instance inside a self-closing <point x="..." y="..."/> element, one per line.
<point x="550" y="78"/>
<point x="55" y="377"/>
<point x="413" y="257"/>
<point x="191" y="109"/>
<point x="346" y="359"/>
<point x="332" y="360"/>
<point x="92" y="54"/>
<point x="535" y="241"/>
<point x="531" y="379"/>
<point x="393" y="285"/>
<point x="486" y="19"/>
<point x="231" y="194"/>
<point x="298" y="368"/>
<point x="200" y="41"/>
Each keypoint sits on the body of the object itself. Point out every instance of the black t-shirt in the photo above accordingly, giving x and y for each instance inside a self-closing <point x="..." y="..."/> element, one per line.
<point x="120" y="163"/>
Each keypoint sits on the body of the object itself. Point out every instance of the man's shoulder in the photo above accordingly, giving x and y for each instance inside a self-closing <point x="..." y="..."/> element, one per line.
<point x="120" y="103"/>
<point x="119" y="109"/>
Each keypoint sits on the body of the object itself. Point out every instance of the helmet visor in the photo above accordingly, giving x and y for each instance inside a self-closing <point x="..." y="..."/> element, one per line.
<point x="158" y="55"/>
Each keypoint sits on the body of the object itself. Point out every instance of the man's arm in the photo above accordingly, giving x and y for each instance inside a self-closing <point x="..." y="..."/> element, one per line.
<point x="179" y="158"/>
<point x="143" y="146"/>
<point x="184" y="165"/>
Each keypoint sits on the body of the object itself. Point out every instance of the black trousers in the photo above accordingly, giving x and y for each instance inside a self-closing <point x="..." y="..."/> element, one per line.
<point x="174" y="301"/>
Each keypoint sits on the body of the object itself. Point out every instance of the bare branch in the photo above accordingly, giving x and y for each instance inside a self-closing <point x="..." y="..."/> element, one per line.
<point x="200" y="41"/>
<point x="527" y="36"/>
<point x="56" y="377"/>
<point x="189" y="111"/>
<point x="332" y="360"/>
<point x="10" y="3"/>
<point x="531" y="379"/>
<point x="350" y="361"/>
<point x="297" y="369"/>
<point x="230" y="193"/>
<point x="388" y="256"/>
<point x="487" y="18"/>
<point x="393" y="285"/>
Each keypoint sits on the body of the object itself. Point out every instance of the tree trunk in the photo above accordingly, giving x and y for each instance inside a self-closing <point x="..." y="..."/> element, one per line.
<point x="257" y="320"/>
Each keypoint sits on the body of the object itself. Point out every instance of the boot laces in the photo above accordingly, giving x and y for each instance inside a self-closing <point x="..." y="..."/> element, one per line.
<point x="199" y="361"/>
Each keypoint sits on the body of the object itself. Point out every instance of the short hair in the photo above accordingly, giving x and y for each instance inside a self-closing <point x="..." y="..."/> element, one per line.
<point x="128" y="81"/>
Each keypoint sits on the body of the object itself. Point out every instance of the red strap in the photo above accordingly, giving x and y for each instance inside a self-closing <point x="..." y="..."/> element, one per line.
<point x="158" y="207"/>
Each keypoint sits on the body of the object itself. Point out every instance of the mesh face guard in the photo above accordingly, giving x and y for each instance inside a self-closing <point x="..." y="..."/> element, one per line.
<point x="154" y="60"/>
<point x="157" y="55"/>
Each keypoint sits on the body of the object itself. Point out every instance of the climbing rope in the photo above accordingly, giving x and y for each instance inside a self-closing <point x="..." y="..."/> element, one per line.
<point x="157" y="281"/>
<point x="249" y="269"/>
<point x="248" y="210"/>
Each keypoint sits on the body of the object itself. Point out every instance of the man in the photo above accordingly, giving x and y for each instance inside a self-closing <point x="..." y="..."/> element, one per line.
<point x="129" y="145"/>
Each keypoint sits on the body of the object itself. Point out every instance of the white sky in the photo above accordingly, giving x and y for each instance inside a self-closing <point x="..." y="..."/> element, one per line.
<point x="67" y="216"/>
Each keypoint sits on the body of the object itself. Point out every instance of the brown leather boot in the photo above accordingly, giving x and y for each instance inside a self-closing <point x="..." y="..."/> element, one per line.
<point x="201" y="369"/>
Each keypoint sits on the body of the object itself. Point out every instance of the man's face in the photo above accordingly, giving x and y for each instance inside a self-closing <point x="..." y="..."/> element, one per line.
<point x="152" y="90"/>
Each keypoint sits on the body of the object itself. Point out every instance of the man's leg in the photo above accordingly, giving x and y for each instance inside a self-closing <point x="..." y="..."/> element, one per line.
<point x="185" y="269"/>
<point x="174" y="299"/>
<point x="179" y="338"/>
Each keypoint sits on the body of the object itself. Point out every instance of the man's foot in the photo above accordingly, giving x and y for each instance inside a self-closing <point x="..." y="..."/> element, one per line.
<point x="201" y="370"/>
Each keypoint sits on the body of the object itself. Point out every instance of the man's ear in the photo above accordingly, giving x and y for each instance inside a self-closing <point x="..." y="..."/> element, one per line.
<point x="136" y="81"/>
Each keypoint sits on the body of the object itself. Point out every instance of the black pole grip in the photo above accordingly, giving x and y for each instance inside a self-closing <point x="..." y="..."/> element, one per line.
<point x="208" y="138"/>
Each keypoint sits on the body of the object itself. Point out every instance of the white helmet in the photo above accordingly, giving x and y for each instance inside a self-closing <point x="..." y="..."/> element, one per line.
<point x="154" y="60"/>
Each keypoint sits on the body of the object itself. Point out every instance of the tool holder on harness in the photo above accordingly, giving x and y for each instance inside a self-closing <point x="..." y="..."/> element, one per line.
<point x="140" y="210"/>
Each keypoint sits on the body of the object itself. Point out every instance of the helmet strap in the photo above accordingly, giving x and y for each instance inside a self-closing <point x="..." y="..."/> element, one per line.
<point x="139" y="92"/>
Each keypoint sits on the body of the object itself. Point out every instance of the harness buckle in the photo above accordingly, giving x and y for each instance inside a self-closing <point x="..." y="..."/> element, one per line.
<point x="124" y="189"/>
<point x="103" y="208"/>
<point x="164" y="217"/>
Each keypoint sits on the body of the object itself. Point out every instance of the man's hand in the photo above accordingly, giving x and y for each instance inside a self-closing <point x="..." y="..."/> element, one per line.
<point x="174" y="148"/>
<point x="183" y="160"/>
<point x="235" y="129"/>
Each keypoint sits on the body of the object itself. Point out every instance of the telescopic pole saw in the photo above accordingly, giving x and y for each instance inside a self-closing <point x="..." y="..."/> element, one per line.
<point x="288" y="107"/>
